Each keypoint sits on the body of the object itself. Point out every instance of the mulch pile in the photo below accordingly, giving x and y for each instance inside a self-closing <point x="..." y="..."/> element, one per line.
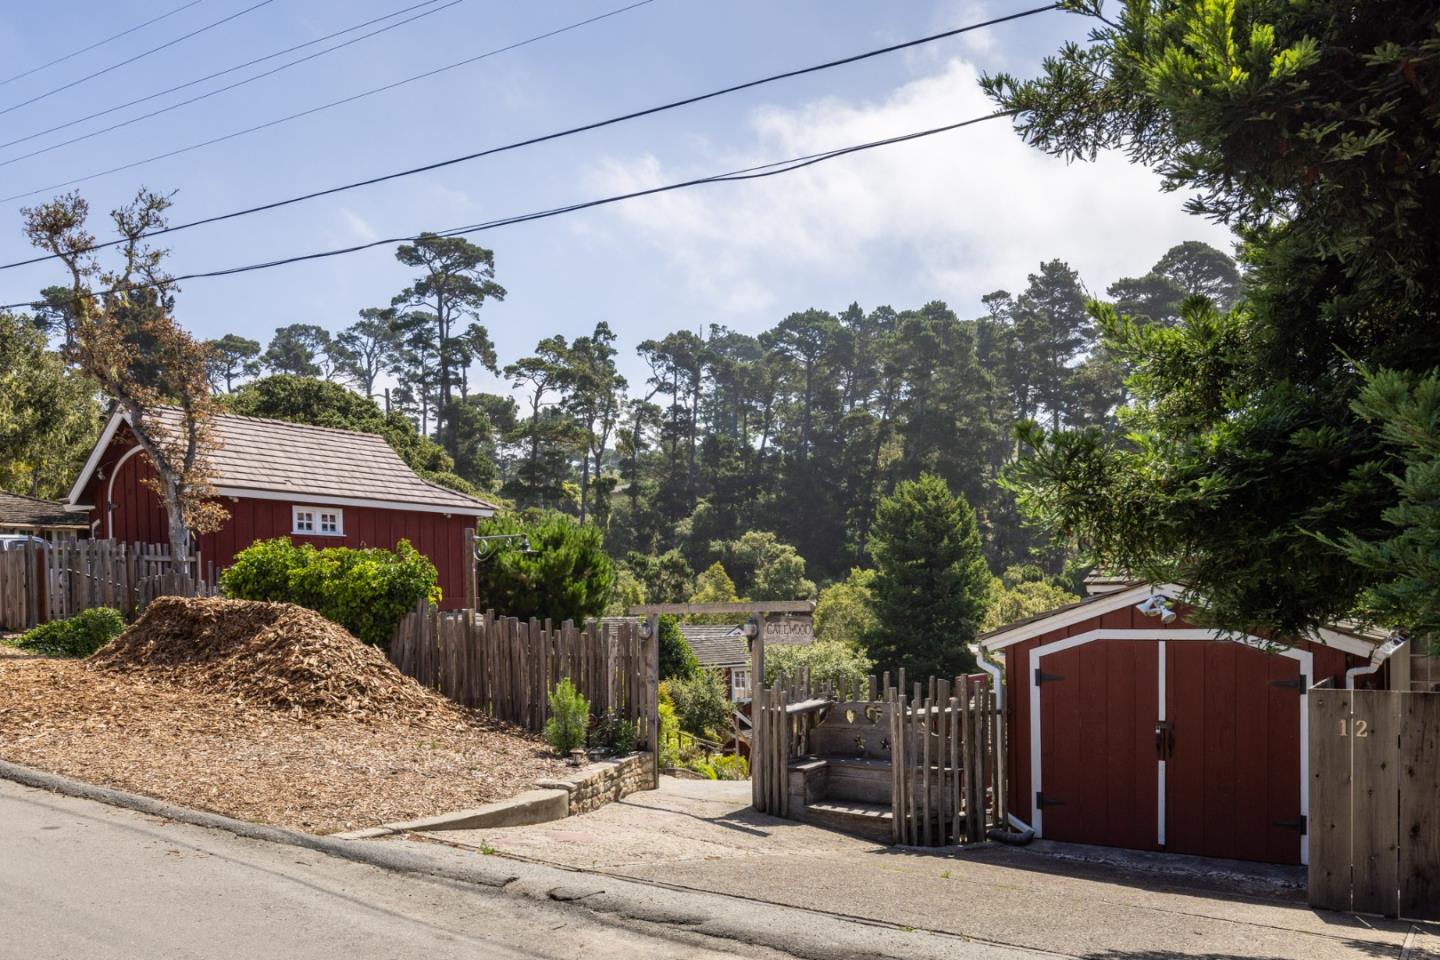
<point x="263" y="712"/>
<point x="274" y="655"/>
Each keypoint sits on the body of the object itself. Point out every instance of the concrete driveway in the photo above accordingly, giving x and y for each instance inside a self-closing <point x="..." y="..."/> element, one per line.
<point x="1075" y="902"/>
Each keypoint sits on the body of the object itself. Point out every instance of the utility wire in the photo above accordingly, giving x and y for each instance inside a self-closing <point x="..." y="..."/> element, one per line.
<point x="324" y="106"/>
<point x="674" y="104"/>
<point x="761" y="171"/>
<point x="219" y="73"/>
<point x="99" y="43"/>
<point x="115" y="66"/>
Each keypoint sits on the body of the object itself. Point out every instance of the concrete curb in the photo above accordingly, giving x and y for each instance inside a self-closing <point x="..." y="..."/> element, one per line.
<point x="821" y="936"/>
<point x="489" y="875"/>
<point x="521" y="810"/>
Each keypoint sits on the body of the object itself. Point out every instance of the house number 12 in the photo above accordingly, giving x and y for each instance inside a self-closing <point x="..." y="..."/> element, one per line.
<point x="1362" y="728"/>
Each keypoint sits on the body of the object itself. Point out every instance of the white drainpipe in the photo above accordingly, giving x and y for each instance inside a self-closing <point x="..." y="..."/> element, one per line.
<point x="1377" y="659"/>
<point x="995" y="678"/>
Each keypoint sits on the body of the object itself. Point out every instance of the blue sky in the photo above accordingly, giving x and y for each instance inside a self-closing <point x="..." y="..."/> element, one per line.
<point x="950" y="218"/>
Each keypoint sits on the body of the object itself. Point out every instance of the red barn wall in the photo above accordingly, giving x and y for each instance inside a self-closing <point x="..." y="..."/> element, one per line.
<point x="1329" y="664"/>
<point x="139" y="517"/>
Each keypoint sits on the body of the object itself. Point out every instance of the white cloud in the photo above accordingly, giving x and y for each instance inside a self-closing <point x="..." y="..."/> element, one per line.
<point x="952" y="216"/>
<point x="355" y="227"/>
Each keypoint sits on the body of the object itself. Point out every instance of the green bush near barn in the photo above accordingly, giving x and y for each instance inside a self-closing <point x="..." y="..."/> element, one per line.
<point x="366" y="591"/>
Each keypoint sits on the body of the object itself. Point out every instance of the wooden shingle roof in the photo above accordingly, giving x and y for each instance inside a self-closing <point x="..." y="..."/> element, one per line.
<point x="19" y="512"/>
<point x="716" y="646"/>
<point x="276" y="459"/>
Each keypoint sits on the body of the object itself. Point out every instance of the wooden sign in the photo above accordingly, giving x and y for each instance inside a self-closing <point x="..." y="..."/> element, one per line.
<point x="791" y="630"/>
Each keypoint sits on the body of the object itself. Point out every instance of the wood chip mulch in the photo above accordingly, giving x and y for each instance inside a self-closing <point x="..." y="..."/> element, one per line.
<point x="262" y="712"/>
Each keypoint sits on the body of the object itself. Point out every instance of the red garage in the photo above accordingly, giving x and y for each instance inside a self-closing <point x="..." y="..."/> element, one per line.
<point x="1130" y="730"/>
<point x="315" y="484"/>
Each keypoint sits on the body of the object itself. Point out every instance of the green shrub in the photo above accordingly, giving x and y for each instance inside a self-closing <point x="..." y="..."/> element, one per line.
<point x="569" y="718"/>
<point x="669" y="736"/>
<point x="80" y="636"/>
<point x="702" y="703"/>
<point x="366" y="591"/>
<point x="613" y="734"/>
<point x="700" y="766"/>
<point x="566" y="575"/>
<point x="827" y="660"/>
<point x="730" y="767"/>
<point x="676" y="657"/>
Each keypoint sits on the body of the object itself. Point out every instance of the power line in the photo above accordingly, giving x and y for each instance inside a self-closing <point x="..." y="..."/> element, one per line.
<point x="138" y="56"/>
<point x="219" y="73"/>
<point x="100" y="43"/>
<point x="325" y="106"/>
<point x="761" y="171"/>
<point x="571" y="131"/>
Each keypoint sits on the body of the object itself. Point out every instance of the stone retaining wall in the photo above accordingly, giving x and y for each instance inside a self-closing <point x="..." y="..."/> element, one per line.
<point x="605" y="782"/>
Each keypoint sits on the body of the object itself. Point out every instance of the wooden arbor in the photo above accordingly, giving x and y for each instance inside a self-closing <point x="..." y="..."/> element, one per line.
<point x="756" y="611"/>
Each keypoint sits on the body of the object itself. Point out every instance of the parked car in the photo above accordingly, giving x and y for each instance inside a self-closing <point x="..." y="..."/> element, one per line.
<point x="16" y="541"/>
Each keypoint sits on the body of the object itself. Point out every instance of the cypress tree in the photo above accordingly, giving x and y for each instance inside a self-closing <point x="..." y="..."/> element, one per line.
<point x="931" y="583"/>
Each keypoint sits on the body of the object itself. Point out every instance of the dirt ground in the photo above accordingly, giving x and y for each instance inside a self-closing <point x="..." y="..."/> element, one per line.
<point x="1062" y="899"/>
<point x="242" y="760"/>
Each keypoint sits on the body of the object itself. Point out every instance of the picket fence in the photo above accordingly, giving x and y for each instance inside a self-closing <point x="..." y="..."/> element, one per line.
<point x="507" y="667"/>
<point x="40" y="582"/>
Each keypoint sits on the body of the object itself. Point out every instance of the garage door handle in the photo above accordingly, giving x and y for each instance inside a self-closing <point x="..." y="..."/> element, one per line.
<point x="1164" y="740"/>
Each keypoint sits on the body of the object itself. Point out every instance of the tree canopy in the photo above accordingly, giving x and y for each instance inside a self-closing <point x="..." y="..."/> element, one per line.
<point x="1245" y="459"/>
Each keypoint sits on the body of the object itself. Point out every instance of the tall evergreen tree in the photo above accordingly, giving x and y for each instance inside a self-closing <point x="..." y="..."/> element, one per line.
<point x="931" y="584"/>
<point x="458" y="278"/>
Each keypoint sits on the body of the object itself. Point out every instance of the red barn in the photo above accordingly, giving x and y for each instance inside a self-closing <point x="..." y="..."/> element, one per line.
<point x="314" y="484"/>
<point x="1126" y="730"/>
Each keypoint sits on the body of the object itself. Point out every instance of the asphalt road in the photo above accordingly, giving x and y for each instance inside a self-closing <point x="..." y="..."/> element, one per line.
<point x="82" y="881"/>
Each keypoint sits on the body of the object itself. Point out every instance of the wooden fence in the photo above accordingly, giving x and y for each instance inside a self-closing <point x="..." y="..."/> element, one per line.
<point x="40" y="582"/>
<point x="507" y="667"/>
<point x="1374" y="824"/>
<point x="945" y="745"/>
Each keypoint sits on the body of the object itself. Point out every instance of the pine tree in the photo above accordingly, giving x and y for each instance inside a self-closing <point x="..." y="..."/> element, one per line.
<point x="931" y="584"/>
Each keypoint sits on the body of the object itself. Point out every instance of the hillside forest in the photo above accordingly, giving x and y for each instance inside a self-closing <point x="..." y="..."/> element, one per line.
<point x="795" y="432"/>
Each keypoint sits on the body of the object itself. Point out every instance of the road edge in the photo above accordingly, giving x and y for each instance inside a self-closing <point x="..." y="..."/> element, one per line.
<point x="824" y="936"/>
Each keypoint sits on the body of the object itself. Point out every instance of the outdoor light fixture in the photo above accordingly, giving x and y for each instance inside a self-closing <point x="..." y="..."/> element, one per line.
<point x="1157" y="605"/>
<point x="487" y="547"/>
<point x="645" y="631"/>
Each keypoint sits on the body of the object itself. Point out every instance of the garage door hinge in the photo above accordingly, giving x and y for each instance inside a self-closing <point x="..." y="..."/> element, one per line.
<point x="1300" y="684"/>
<point x="1302" y="824"/>
<point x="1042" y="801"/>
<point x="1042" y="677"/>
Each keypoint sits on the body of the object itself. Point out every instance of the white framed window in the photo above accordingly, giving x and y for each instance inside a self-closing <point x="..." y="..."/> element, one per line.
<point x="739" y="684"/>
<point x="318" y="521"/>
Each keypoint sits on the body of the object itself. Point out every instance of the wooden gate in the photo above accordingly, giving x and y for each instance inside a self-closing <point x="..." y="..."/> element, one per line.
<point x="1184" y="745"/>
<point x="1375" y="802"/>
<point x="938" y="747"/>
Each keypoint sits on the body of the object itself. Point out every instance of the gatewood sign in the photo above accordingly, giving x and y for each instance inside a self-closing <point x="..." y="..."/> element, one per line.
<point x="793" y="630"/>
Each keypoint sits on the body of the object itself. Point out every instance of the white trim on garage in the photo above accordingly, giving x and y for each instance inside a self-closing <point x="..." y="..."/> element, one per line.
<point x="1307" y="670"/>
<point x="1076" y="613"/>
<point x="1338" y="639"/>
